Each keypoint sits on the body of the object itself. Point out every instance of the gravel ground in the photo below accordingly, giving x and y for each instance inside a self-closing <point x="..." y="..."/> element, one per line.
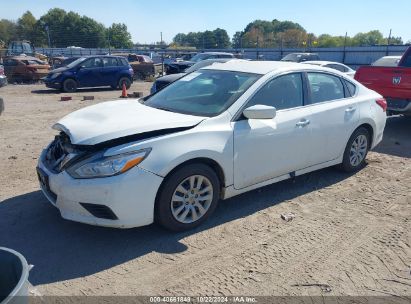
<point x="351" y="234"/>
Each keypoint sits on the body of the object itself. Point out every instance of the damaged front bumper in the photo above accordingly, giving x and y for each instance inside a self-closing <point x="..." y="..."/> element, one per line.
<point x="121" y="201"/>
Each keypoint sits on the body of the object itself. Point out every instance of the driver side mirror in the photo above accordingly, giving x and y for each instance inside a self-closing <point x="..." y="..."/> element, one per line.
<point x="260" y="112"/>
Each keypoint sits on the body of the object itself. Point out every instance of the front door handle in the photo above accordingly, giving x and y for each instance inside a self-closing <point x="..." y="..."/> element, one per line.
<point x="350" y="110"/>
<point x="302" y="123"/>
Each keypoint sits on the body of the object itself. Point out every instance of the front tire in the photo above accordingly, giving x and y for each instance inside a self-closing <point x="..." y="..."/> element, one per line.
<point x="356" y="150"/>
<point x="69" y="86"/>
<point x="187" y="197"/>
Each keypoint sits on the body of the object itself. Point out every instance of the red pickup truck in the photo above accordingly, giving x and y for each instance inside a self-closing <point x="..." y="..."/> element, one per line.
<point x="394" y="83"/>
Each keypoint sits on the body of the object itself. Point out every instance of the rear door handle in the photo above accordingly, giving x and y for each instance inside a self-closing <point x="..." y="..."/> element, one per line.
<point x="350" y="110"/>
<point x="302" y="123"/>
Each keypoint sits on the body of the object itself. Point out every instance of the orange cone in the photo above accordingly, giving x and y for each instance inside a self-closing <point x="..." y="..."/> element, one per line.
<point x="124" y="91"/>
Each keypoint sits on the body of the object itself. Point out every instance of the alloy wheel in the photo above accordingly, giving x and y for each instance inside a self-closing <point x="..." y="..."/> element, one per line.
<point x="191" y="199"/>
<point x="358" y="150"/>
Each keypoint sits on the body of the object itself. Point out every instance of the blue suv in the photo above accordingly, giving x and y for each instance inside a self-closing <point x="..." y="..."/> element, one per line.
<point x="91" y="71"/>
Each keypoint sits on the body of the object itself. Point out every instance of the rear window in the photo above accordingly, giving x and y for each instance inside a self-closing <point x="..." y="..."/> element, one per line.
<point x="123" y="61"/>
<point x="387" y="61"/>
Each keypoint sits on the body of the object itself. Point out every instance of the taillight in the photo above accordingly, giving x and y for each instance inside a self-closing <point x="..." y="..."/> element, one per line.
<point x="382" y="103"/>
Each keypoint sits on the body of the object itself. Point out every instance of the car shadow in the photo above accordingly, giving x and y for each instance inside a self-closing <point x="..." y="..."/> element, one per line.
<point x="81" y="90"/>
<point x="397" y="137"/>
<point x="63" y="250"/>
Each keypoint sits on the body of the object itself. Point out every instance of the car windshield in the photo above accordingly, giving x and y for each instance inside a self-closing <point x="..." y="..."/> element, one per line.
<point x="203" y="93"/>
<point x="291" y="57"/>
<point x="76" y="62"/>
<point x="200" y="65"/>
<point x="199" y="57"/>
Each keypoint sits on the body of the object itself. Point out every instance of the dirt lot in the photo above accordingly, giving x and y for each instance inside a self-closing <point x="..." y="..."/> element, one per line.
<point x="351" y="234"/>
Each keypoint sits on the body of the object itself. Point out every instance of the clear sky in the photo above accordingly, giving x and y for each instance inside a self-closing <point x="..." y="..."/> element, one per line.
<point x="146" y="19"/>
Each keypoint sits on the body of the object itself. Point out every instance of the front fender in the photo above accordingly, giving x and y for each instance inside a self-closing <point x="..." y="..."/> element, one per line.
<point x="170" y="152"/>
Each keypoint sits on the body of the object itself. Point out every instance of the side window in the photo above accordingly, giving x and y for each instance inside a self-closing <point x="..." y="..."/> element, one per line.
<point x="110" y="61"/>
<point x="124" y="61"/>
<point x="92" y="63"/>
<point x="407" y="62"/>
<point x="10" y="62"/>
<point x="284" y="92"/>
<point x="351" y="88"/>
<point x="325" y="87"/>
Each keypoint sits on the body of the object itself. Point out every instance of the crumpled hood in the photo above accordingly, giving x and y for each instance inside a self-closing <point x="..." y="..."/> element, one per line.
<point x="116" y="119"/>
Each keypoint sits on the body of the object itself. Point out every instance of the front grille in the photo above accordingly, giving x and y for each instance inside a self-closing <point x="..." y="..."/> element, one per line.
<point x="60" y="153"/>
<point x="100" y="211"/>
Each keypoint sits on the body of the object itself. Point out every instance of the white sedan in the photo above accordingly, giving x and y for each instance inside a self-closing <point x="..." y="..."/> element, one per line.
<point x="333" y="65"/>
<point x="215" y="133"/>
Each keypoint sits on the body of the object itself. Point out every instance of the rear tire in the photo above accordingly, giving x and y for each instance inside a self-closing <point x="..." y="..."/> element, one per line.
<point x="69" y="86"/>
<point x="126" y="80"/>
<point x="187" y="197"/>
<point x="356" y="150"/>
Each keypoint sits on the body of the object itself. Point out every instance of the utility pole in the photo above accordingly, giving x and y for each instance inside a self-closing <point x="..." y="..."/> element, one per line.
<point x="388" y="43"/>
<point x="258" y="53"/>
<point x="48" y="35"/>
<point x="282" y="46"/>
<point x="109" y="43"/>
<point x="345" y="45"/>
<point x="162" y="54"/>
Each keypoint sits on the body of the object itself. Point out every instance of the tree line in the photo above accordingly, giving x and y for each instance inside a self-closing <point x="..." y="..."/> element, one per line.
<point x="58" y="28"/>
<point x="277" y="34"/>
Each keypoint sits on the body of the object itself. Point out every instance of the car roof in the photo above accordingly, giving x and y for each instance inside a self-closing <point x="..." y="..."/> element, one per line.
<point x="217" y="53"/>
<point x="302" y="54"/>
<point x="262" y="67"/>
<point x="321" y="62"/>
<point x="97" y="56"/>
<point x="391" y="57"/>
<point x="22" y="57"/>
